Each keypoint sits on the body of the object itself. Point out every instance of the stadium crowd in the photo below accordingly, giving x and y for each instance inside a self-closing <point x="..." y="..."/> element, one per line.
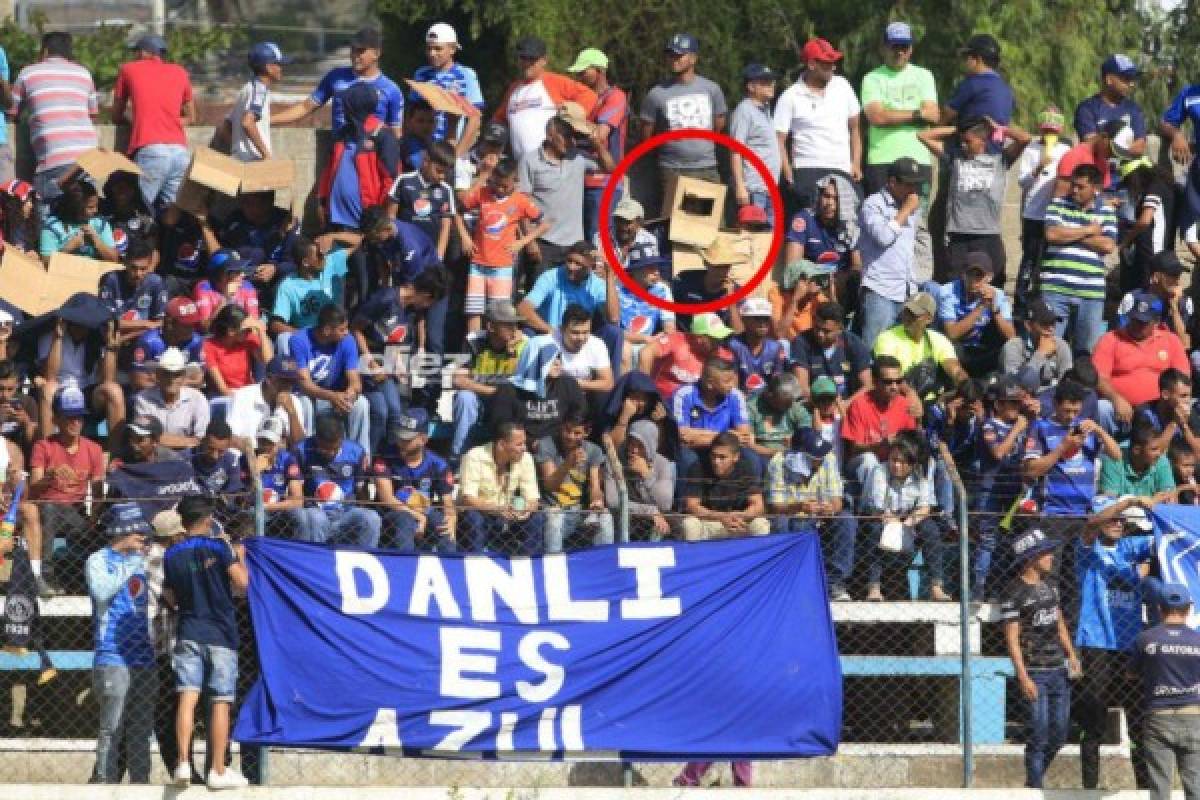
<point x="441" y="362"/>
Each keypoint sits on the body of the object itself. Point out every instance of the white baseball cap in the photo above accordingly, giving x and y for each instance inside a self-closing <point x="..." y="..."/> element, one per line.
<point x="172" y="360"/>
<point x="441" y="33"/>
<point x="756" y="307"/>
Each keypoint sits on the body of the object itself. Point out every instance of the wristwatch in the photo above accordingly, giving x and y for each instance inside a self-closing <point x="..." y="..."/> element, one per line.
<point x="916" y="115"/>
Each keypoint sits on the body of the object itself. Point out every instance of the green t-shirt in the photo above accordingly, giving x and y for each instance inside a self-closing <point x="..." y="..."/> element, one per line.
<point x="774" y="429"/>
<point x="905" y="90"/>
<point x="1118" y="479"/>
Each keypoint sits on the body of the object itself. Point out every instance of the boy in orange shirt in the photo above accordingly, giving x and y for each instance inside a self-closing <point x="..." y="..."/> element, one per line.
<point x="497" y="240"/>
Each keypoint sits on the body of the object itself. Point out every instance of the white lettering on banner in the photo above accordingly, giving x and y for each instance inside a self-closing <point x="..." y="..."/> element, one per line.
<point x="504" y="736"/>
<point x="430" y="583"/>
<point x="648" y="564"/>
<point x="384" y="732"/>
<point x="487" y="580"/>
<point x="546" y="741"/>
<point x="456" y="661"/>
<point x="530" y="654"/>
<point x="348" y="563"/>
<point x="469" y="725"/>
<point x="466" y="724"/>
<point x="560" y="607"/>
<point x="572" y="728"/>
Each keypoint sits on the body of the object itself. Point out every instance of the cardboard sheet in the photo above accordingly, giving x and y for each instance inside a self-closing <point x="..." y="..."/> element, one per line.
<point x="35" y="289"/>
<point x="101" y="163"/>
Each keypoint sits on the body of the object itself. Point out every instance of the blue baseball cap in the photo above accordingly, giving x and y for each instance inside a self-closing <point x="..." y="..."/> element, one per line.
<point x="1121" y="65"/>
<point x="1032" y="544"/>
<point x="283" y="367"/>
<point x="810" y="442"/>
<point x="683" y="43"/>
<point x="151" y="43"/>
<point x="412" y="423"/>
<point x="70" y="402"/>
<point x="265" y="53"/>
<point x="226" y="259"/>
<point x="757" y="72"/>
<point x="1174" y="595"/>
<point x="1147" y="307"/>
<point x="898" y="33"/>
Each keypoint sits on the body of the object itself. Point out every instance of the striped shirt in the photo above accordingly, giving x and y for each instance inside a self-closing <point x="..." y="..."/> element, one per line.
<point x="457" y="79"/>
<point x="61" y="100"/>
<point x="1073" y="269"/>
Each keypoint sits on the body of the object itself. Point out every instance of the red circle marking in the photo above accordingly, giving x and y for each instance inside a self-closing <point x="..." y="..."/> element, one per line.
<point x="610" y="251"/>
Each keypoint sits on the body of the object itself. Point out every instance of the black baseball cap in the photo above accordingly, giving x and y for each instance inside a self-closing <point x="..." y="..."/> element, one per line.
<point x="369" y="38"/>
<point x="495" y="133"/>
<point x="983" y="45"/>
<point x="906" y="170"/>
<point x="1168" y="263"/>
<point x="979" y="261"/>
<point x="757" y="72"/>
<point x="531" y="47"/>
<point x="1039" y="311"/>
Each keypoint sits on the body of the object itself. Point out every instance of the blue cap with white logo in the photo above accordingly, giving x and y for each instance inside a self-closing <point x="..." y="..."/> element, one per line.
<point x="412" y="423"/>
<point x="1174" y="595"/>
<point x="1121" y="65"/>
<point x="265" y="53"/>
<point x="126" y="518"/>
<point x="70" y="402"/>
<point x="683" y="43"/>
<point x="898" y="33"/>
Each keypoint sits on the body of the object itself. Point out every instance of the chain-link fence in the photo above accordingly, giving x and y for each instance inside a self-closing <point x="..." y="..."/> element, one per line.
<point x="922" y="678"/>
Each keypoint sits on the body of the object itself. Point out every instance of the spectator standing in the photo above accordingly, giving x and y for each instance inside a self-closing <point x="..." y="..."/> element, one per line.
<point x="890" y="219"/>
<point x="1130" y="359"/>
<point x="168" y="532"/>
<point x="499" y="492"/>
<point x="610" y="118"/>
<point x="366" y="47"/>
<point x="536" y="97"/>
<point x="1149" y="241"/>
<point x="8" y="159"/>
<point x="441" y="68"/>
<point x="983" y="92"/>
<point x="899" y="99"/>
<point x="1035" y="633"/>
<point x="158" y="98"/>
<point x="1118" y="78"/>
<point x="817" y="121"/>
<point x="751" y="124"/>
<point x="1081" y="231"/>
<point x="249" y="121"/>
<point x="333" y="469"/>
<point x="1098" y="151"/>
<point x="124" y="677"/>
<point x="424" y="199"/>
<point x="685" y="100"/>
<point x="59" y="97"/>
<point x="1036" y="173"/>
<point x="202" y="573"/>
<point x="364" y="163"/>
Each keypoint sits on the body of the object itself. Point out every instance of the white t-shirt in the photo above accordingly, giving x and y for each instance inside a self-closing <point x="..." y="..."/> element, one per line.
<point x="529" y="109"/>
<point x="582" y="365"/>
<point x="254" y="97"/>
<point x="248" y="409"/>
<point x="1038" y="189"/>
<point x="818" y="123"/>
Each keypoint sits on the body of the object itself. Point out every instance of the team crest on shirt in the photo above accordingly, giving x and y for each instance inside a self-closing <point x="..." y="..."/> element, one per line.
<point x="270" y="495"/>
<point x="1162" y="355"/>
<point x="828" y="257"/>
<point x="640" y="324"/>
<point x="136" y="586"/>
<point x="131" y="314"/>
<point x="754" y="382"/>
<point x="143" y="302"/>
<point x="347" y="470"/>
<point x="425" y="484"/>
<point x="494" y="222"/>
<point x="422" y="207"/>
<point x="396" y="334"/>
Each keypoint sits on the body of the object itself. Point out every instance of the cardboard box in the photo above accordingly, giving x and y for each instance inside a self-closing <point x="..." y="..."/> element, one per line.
<point x="36" y="289"/>
<point x="753" y="246"/>
<point x="442" y="100"/>
<point x="101" y="163"/>
<point x="695" y="208"/>
<point x="212" y="171"/>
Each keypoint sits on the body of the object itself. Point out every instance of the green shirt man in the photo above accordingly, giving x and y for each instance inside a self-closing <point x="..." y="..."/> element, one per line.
<point x="898" y="86"/>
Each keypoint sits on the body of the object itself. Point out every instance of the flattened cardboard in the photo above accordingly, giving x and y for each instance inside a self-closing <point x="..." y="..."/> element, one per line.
<point x="65" y="266"/>
<point x="101" y="163"/>
<point x="753" y="246"/>
<point x="266" y="176"/>
<point x="215" y="171"/>
<point x="37" y="290"/>
<point x="696" y="209"/>
<point x="440" y="99"/>
<point x="212" y="171"/>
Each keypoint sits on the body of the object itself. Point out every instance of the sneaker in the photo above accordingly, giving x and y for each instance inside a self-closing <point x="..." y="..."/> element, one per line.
<point x="874" y="595"/>
<point x="229" y="779"/>
<point x="182" y="776"/>
<point x="938" y="595"/>
<point x="838" y="593"/>
<point x="45" y="589"/>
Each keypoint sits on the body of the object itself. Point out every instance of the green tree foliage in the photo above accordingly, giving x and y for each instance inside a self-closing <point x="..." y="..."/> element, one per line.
<point x="1052" y="49"/>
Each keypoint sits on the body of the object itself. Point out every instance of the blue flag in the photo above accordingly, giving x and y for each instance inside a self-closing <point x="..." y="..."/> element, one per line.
<point x="716" y="650"/>
<point x="1177" y="549"/>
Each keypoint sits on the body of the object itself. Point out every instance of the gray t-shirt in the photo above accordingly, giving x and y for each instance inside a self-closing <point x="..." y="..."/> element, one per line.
<point x="672" y="106"/>
<point x="976" y="192"/>
<point x="557" y="189"/>
<point x="573" y="491"/>
<point x="751" y="125"/>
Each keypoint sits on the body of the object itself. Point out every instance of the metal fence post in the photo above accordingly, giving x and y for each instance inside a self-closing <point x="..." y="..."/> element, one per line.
<point x="622" y="537"/>
<point x="964" y="615"/>
<point x="260" y="529"/>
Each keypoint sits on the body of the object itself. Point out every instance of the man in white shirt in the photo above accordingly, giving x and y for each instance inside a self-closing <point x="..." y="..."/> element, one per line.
<point x="816" y="120"/>
<point x="250" y="405"/>
<point x="530" y="102"/>
<point x="584" y="356"/>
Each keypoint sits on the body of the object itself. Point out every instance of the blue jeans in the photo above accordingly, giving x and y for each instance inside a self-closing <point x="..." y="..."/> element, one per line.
<point x="878" y="314"/>
<point x="837" y="541"/>
<point x="1047" y="720"/>
<point x="591" y="210"/>
<point x="199" y="667"/>
<point x="358" y="421"/>
<point x="928" y="538"/>
<point x="45" y="183"/>
<point x="762" y="199"/>
<point x="386" y="405"/>
<point x="402" y="527"/>
<point x="125" y="696"/>
<point x="467" y="428"/>
<point x="991" y="507"/>
<point x="481" y="529"/>
<point x="562" y="523"/>
<point x="1085" y="318"/>
<point x="163" y="167"/>
<point x="361" y="526"/>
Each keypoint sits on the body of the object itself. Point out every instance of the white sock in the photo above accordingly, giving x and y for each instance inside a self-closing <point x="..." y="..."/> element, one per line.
<point x="37" y="568"/>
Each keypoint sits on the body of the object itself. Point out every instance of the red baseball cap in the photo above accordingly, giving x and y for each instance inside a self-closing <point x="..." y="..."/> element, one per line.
<point x="751" y="214"/>
<point x="18" y="189"/>
<point x="820" y="50"/>
<point x="185" y="310"/>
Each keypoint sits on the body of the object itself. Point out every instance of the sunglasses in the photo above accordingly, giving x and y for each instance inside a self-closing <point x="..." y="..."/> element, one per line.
<point x="892" y="382"/>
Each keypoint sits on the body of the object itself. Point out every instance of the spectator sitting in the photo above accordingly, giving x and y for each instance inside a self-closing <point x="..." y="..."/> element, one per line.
<point x="713" y="282"/>
<point x="319" y="280"/>
<point x="178" y="330"/>
<point x="804" y="288"/>
<point x="327" y="374"/>
<point x="1173" y="416"/>
<point x="675" y="359"/>
<point x="776" y="413"/>
<point x="569" y="467"/>
<point x="415" y="487"/>
<point x="76" y="226"/>
<point x="234" y="352"/>
<point x="759" y="356"/>
<point x="63" y="467"/>
<point x="630" y="239"/>
<point x="499" y="492"/>
<point x="1183" y="470"/>
<point x="924" y="355"/>
<point x="279" y="474"/>
<point x="135" y="295"/>
<point x="1165" y="282"/>
<point x="539" y="395"/>
<point x="649" y="480"/>
<point x="827" y="410"/>
<point x="829" y="350"/>
<point x="18" y="411"/>
<point x="263" y="234"/>
<point x="1142" y="470"/>
<point x="584" y="356"/>
<point x="142" y="445"/>
<point x="976" y="316"/>
<point x="722" y="494"/>
<point x="804" y="488"/>
<point x="394" y="253"/>
<point x="641" y="320"/>
<point x="636" y="398"/>
<point x="494" y="353"/>
<point x="1082" y="372"/>
<point x="334" y="468"/>
<point x="85" y="356"/>
<point x="274" y="397"/>
<point x="712" y="406"/>
<point x="1130" y="360"/>
<point x="1038" y="349"/>
<point x="124" y="665"/>
<point x="181" y="410"/>
<point x="227" y="285"/>
<point x="219" y="468"/>
<point x="900" y="495"/>
<point x="874" y="417"/>
<point x="20" y="224"/>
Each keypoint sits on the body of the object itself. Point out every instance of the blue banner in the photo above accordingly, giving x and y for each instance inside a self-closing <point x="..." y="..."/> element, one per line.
<point x="714" y="650"/>
<point x="1177" y="548"/>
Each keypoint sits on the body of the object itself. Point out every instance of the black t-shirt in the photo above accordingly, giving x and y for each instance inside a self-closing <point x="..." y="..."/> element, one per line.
<point x="1149" y="413"/>
<point x="728" y="493"/>
<point x="385" y="320"/>
<point x="848" y="358"/>
<point x="1168" y="659"/>
<point x="1036" y="609"/>
<point x="689" y="287"/>
<point x="541" y="416"/>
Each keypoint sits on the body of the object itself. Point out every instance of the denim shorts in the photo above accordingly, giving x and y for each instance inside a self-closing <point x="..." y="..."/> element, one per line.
<point x="193" y="662"/>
